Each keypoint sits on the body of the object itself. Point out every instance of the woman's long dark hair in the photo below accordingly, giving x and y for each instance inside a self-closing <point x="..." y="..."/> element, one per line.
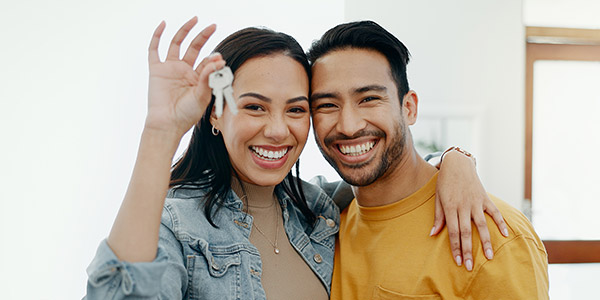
<point x="206" y="163"/>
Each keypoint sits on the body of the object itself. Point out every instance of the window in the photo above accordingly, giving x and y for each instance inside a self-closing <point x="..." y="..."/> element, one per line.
<point x="562" y="142"/>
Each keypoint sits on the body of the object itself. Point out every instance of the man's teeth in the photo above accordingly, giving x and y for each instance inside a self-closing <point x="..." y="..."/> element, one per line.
<point x="355" y="150"/>
<point x="268" y="154"/>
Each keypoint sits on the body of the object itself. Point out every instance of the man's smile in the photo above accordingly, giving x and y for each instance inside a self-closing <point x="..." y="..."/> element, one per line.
<point x="356" y="149"/>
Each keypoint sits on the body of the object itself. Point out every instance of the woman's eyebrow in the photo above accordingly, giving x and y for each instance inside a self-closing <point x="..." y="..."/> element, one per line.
<point x="257" y="96"/>
<point x="268" y="100"/>
<point x="296" y="99"/>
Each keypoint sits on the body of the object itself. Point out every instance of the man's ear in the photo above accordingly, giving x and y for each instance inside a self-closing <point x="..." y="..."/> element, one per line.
<point x="410" y="104"/>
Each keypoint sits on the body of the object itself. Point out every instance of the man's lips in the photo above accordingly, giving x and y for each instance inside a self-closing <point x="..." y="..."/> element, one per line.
<point x="356" y="148"/>
<point x="355" y="151"/>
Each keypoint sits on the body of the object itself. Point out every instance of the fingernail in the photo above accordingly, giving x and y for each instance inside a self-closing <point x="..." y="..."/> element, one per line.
<point x="469" y="264"/>
<point x="214" y="54"/>
<point x="432" y="231"/>
<point x="505" y="232"/>
<point x="489" y="253"/>
<point x="458" y="260"/>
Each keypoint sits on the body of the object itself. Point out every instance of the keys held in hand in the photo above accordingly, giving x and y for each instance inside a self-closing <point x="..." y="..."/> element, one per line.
<point x="220" y="81"/>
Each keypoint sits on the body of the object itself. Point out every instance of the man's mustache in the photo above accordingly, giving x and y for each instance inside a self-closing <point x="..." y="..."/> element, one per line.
<point x="341" y="137"/>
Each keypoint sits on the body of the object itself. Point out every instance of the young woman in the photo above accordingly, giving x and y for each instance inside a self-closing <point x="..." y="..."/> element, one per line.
<point x="235" y="224"/>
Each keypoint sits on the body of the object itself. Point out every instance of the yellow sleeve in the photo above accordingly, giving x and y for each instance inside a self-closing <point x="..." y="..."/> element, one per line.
<point x="519" y="270"/>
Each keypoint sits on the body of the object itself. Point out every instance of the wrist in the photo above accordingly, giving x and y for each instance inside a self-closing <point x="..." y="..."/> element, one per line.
<point x="165" y="141"/>
<point x="457" y="151"/>
<point x="161" y="123"/>
<point x="163" y="130"/>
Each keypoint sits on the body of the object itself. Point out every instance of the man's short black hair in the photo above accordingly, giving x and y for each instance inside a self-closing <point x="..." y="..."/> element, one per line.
<point x="370" y="36"/>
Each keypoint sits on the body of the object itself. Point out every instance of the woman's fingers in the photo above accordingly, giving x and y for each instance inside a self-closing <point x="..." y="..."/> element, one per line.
<point x="213" y="64"/>
<point x="484" y="234"/>
<point x="173" y="53"/>
<point x="464" y="221"/>
<point x="192" y="52"/>
<point x="211" y="58"/>
<point x="454" y="235"/>
<point x="153" y="48"/>
<point x="490" y="208"/>
<point x="209" y="66"/>
<point x="439" y="220"/>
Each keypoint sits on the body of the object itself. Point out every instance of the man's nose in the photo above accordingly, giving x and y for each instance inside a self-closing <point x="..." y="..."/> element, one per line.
<point x="350" y="122"/>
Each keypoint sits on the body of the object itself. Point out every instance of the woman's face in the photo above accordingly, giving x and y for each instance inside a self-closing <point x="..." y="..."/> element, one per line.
<point x="265" y="138"/>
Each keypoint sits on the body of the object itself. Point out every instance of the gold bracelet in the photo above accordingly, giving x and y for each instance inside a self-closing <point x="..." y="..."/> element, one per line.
<point x="459" y="150"/>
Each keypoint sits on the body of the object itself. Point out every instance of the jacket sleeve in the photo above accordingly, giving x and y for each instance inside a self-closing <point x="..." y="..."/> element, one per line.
<point x="163" y="278"/>
<point x="339" y="191"/>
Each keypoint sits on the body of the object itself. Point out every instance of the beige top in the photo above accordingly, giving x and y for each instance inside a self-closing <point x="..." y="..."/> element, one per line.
<point x="285" y="275"/>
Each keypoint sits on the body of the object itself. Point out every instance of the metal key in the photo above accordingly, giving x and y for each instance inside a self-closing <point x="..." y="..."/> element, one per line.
<point x="220" y="81"/>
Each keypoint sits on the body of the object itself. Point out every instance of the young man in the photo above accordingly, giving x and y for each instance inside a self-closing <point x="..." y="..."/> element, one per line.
<point x="362" y="107"/>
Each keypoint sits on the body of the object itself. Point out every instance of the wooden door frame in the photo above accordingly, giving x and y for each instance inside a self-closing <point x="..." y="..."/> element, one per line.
<point x="557" y="44"/>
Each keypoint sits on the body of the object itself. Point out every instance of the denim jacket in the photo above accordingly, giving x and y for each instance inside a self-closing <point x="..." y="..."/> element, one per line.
<point x="198" y="261"/>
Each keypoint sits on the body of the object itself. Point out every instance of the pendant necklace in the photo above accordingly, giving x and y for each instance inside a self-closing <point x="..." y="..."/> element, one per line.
<point x="275" y="248"/>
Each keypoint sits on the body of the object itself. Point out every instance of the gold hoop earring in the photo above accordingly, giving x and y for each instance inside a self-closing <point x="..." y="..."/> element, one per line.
<point x="215" y="131"/>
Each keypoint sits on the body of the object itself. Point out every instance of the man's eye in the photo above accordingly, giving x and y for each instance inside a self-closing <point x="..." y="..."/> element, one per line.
<point x="370" y="98"/>
<point x="325" y="105"/>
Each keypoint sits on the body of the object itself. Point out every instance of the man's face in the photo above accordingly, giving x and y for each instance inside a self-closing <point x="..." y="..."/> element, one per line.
<point x="359" y="123"/>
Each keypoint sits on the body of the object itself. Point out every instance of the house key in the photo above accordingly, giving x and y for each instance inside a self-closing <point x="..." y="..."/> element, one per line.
<point x="220" y="81"/>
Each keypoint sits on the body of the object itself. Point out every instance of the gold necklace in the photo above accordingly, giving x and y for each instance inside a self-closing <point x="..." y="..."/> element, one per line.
<point x="275" y="248"/>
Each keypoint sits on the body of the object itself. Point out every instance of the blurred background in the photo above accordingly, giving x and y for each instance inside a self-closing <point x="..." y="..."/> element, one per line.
<point x="512" y="81"/>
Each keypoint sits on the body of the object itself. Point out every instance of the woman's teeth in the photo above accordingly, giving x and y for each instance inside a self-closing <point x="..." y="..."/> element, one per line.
<point x="355" y="150"/>
<point x="268" y="154"/>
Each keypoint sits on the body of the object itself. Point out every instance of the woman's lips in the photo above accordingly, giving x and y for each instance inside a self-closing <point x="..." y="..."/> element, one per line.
<point x="270" y="157"/>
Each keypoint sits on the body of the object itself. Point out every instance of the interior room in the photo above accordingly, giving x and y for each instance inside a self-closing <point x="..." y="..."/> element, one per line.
<point x="514" y="82"/>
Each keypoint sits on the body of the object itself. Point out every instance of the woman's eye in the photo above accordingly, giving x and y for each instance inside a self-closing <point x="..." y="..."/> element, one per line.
<point x="253" y="107"/>
<point x="297" y="110"/>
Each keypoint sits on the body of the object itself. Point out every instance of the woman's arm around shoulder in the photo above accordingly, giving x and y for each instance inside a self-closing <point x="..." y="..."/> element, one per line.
<point x="460" y="200"/>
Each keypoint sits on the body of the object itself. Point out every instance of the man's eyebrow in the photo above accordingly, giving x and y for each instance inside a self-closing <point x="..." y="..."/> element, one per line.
<point x="369" y="88"/>
<point x="360" y="90"/>
<point x="317" y="96"/>
<point x="267" y="99"/>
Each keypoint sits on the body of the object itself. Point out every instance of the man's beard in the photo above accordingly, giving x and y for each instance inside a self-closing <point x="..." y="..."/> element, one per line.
<point x="390" y="159"/>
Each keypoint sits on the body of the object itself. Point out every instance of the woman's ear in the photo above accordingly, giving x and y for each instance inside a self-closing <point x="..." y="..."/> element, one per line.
<point x="214" y="121"/>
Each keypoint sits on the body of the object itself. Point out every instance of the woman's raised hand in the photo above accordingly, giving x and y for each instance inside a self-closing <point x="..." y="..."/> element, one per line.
<point x="178" y="94"/>
<point x="177" y="98"/>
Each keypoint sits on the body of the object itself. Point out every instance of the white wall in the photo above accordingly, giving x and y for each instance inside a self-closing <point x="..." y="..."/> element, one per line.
<point x="468" y="57"/>
<point x="562" y="13"/>
<point x="73" y="87"/>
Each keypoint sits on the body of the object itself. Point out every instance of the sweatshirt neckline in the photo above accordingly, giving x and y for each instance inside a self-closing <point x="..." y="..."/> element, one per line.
<point x="400" y="207"/>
